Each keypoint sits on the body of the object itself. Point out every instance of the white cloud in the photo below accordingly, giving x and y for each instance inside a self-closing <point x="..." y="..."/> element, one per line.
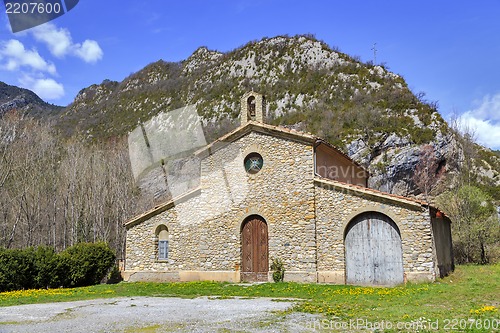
<point x="57" y="40"/>
<point x="485" y="121"/>
<point x="89" y="51"/>
<point x="32" y="68"/>
<point x="60" y="43"/>
<point x="489" y="108"/>
<point x="47" y="89"/>
<point x="14" y="55"/>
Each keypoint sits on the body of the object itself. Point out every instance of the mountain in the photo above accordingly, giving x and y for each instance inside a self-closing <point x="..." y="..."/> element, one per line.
<point x="363" y="108"/>
<point x="25" y="101"/>
<point x="297" y="75"/>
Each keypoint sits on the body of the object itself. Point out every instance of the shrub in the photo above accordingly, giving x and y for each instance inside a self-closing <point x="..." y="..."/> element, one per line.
<point x="278" y="268"/>
<point x="114" y="275"/>
<point x="16" y="267"/>
<point x="80" y="265"/>
<point x="86" y="263"/>
<point x="45" y="274"/>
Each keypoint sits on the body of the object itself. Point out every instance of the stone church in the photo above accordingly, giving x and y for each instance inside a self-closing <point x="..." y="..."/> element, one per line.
<point x="269" y="192"/>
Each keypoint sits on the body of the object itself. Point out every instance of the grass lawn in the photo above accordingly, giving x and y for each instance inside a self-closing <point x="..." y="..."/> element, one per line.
<point x="468" y="300"/>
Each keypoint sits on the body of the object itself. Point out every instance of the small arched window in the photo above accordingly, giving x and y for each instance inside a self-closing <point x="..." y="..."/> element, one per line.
<point x="251" y="107"/>
<point x="162" y="237"/>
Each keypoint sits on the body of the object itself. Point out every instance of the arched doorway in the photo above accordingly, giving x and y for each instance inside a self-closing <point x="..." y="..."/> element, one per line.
<point x="254" y="249"/>
<point x="373" y="253"/>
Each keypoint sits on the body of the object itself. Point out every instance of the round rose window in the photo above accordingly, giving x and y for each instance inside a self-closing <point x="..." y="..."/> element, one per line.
<point x="253" y="163"/>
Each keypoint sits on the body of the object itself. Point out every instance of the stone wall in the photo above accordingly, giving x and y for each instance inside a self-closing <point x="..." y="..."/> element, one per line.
<point x="306" y="218"/>
<point x="204" y="231"/>
<point x="337" y="205"/>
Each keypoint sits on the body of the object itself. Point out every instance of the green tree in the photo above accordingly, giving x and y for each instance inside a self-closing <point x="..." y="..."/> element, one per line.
<point x="475" y="227"/>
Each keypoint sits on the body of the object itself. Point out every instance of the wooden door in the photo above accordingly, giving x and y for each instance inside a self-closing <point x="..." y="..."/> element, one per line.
<point x="373" y="254"/>
<point x="254" y="250"/>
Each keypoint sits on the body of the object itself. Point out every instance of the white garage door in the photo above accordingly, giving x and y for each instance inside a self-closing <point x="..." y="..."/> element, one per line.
<point x="373" y="251"/>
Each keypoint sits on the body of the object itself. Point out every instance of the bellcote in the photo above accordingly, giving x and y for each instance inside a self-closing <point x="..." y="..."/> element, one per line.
<point x="252" y="108"/>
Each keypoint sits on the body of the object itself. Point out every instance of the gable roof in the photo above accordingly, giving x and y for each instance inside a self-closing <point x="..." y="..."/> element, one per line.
<point x="282" y="132"/>
<point x="286" y="133"/>
<point x="253" y="126"/>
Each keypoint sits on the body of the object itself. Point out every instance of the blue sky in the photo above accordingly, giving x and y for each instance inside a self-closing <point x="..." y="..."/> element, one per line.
<point x="448" y="49"/>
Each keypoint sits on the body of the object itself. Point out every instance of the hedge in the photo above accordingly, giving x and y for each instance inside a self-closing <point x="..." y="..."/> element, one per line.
<point x="83" y="264"/>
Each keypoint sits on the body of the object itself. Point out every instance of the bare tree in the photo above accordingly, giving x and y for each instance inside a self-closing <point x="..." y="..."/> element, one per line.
<point x="427" y="172"/>
<point x="59" y="193"/>
<point x="467" y="152"/>
<point x="29" y="156"/>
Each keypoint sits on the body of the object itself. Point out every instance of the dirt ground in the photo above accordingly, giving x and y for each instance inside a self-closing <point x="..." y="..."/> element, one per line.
<point x="156" y="314"/>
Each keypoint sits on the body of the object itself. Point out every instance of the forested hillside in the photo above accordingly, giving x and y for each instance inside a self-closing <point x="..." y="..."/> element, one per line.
<point x="61" y="192"/>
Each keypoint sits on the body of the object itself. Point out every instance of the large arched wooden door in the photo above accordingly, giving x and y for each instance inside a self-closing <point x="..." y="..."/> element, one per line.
<point x="373" y="253"/>
<point x="254" y="249"/>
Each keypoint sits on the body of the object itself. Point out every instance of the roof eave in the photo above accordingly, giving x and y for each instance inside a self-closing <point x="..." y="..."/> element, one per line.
<point x="257" y="127"/>
<point x="371" y="192"/>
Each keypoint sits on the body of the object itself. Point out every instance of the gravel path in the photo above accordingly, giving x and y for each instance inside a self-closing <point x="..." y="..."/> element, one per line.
<point x="154" y="314"/>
